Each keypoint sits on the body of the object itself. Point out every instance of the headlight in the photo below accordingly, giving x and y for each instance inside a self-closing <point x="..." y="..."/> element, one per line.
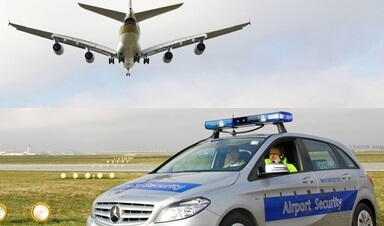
<point x="92" y="214"/>
<point x="183" y="209"/>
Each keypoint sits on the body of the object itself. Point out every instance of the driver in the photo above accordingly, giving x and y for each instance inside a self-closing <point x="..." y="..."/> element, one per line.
<point x="276" y="155"/>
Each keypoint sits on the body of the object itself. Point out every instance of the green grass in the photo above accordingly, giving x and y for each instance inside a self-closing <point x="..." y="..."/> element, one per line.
<point x="363" y="156"/>
<point x="69" y="199"/>
<point x="378" y="180"/>
<point x="370" y="156"/>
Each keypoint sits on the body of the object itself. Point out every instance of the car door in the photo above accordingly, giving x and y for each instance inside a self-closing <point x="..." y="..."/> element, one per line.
<point x="287" y="197"/>
<point x="338" y="180"/>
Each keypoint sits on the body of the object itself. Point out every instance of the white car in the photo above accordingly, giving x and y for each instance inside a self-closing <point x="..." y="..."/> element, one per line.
<point x="320" y="182"/>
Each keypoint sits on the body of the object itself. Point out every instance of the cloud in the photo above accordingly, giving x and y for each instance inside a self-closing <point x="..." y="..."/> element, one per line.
<point x="295" y="54"/>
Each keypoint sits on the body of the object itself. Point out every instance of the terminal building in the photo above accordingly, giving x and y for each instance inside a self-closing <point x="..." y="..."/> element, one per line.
<point x="367" y="147"/>
<point x="16" y="153"/>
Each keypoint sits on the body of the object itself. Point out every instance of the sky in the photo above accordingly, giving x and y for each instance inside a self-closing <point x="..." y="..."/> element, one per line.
<point x="317" y="56"/>
<point x="113" y="130"/>
<point x="296" y="53"/>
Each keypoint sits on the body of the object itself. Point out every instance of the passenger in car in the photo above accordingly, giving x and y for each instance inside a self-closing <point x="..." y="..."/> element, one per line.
<point x="233" y="158"/>
<point x="276" y="155"/>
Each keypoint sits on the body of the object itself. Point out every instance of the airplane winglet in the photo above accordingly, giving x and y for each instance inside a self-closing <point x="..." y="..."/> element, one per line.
<point x="11" y="24"/>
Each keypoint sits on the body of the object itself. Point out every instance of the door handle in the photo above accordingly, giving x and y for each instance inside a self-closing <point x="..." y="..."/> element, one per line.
<point x="346" y="176"/>
<point x="307" y="180"/>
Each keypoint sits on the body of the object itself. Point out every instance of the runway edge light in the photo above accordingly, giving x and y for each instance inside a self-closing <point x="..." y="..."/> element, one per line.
<point x="3" y="212"/>
<point x="40" y="212"/>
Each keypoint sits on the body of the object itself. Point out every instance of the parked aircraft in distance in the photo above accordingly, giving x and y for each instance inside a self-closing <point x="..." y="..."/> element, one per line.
<point x="128" y="50"/>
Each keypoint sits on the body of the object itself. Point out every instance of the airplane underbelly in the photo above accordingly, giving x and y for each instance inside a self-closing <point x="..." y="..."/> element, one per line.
<point x="129" y="46"/>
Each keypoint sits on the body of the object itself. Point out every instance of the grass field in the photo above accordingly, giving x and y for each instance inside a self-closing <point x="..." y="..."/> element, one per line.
<point x="363" y="156"/>
<point x="70" y="200"/>
<point x="370" y="156"/>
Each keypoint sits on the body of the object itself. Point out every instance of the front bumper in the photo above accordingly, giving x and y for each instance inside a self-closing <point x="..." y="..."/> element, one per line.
<point x="204" y="218"/>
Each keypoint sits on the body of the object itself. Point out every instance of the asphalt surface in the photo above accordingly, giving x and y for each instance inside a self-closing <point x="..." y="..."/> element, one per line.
<point x="116" y="167"/>
<point x="80" y="167"/>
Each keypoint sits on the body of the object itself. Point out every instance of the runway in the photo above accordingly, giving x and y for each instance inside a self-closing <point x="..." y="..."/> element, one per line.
<point x="116" y="167"/>
<point x="80" y="167"/>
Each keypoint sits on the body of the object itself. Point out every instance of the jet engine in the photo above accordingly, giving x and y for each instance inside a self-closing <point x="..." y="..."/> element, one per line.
<point x="167" y="58"/>
<point x="89" y="57"/>
<point x="199" y="49"/>
<point x="59" y="49"/>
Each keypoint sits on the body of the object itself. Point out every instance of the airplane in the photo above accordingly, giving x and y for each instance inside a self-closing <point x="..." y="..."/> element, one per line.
<point x="128" y="50"/>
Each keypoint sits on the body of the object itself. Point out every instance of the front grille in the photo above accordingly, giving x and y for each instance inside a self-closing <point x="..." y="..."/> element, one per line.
<point x="131" y="213"/>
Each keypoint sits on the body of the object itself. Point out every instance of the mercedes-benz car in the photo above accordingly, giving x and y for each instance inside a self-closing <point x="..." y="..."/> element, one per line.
<point x="231" y="179"/>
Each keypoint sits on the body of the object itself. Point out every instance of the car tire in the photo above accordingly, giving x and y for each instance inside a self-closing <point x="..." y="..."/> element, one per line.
<point x="363" y="216"/>
<point x="236" y="219"/>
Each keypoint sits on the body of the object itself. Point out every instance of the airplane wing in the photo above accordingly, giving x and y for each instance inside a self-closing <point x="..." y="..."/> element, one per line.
<point x="119" y="16"/>
<point x="80" y="43"/>
<point x="190" y="40"/>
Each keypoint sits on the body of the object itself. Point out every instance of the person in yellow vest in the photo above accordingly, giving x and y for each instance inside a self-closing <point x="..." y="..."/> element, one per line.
<point x="276" y="155"/>
<point x="233" y="158"/>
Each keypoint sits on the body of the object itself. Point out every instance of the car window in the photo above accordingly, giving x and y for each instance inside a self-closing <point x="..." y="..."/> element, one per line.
<point x="216" y="155"/>
<point x="346" y="159"/>
<point x="289" y="153"/>
<point x="197" y="161"/>
<point x="321" y="155"/>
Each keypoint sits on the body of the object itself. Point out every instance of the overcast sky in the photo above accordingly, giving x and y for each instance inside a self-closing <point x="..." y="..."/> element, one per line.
<point x="170" y="130"/>
<point x="296" y="53"/>
<point x="307" y="56"/>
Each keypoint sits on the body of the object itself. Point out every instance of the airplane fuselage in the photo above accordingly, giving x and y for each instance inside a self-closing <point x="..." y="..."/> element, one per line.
<point x="128" y="44"/>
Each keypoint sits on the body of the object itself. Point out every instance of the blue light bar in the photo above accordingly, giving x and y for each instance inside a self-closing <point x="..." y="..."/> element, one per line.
<point x="260" y="119"/>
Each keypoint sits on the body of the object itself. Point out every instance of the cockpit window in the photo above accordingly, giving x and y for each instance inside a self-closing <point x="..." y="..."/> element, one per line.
<point x="216" y="155"/>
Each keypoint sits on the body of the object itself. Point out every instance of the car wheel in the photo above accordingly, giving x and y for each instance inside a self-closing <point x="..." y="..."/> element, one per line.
<point x="363" y="216"/>
<point x="236" y="219"/>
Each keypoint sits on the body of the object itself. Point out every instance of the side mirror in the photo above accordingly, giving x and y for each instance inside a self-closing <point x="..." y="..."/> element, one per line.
<point x="274" y="169"/>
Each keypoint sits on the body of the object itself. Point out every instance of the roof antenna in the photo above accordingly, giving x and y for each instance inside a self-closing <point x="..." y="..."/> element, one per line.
<point x="233" y="129"/>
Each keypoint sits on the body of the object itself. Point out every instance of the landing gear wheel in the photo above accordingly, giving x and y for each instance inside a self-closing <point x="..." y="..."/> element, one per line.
<point x="236" y="219"/>
<point x="363" y="216"/>
<point x="136" y="58"/>
<point x="121" y="58"/>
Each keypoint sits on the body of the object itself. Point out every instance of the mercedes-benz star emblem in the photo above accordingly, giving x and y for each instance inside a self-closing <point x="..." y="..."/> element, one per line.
<point x="115" y="214"/>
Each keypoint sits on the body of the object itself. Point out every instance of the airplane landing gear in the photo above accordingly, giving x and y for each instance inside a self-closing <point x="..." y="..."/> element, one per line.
<point x="136" y="58"/>
<point x="121" y="58"/>
<point x="146" y="60"/>
<point x="127" y="74"/>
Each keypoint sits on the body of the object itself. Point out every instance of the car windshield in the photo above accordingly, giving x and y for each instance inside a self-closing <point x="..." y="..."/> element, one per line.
<point x="215" y="155"/>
